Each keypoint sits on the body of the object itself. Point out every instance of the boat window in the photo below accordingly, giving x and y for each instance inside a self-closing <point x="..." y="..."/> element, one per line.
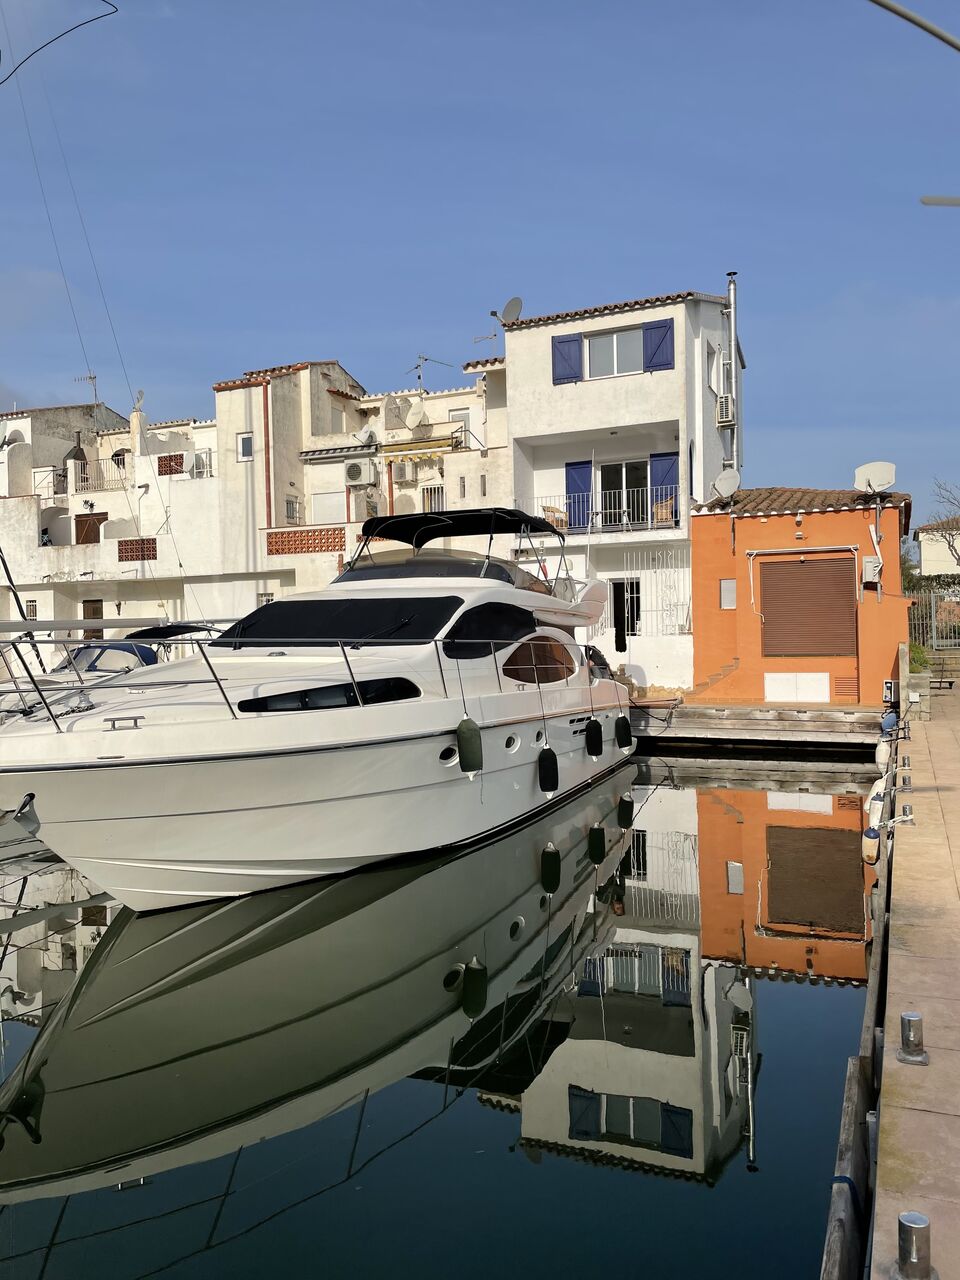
<point x="327" y="696"/>
<point x="104" y="658"/>
<point x="540" y="660"/>
<point x="405" y="564"/>
<point x="494" y="623"/>
<point x="352" y="619"/>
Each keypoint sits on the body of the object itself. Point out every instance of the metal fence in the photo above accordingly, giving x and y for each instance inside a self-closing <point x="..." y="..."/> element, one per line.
<point x="616" y="511"/>
<point x="935" y="619"/>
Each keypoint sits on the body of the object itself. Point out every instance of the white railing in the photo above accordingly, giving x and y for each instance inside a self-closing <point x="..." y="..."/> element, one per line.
<point x="610" y="511"/>
<point x="50" y="483"/>
<point x="432" y="498"/>
<point x="98" y="474"/>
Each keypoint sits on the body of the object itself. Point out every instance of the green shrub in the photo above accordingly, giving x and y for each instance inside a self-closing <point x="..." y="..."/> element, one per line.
<point x="919" y="658"/>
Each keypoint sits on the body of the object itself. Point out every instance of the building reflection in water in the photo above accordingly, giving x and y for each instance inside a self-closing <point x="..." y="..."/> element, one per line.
<point x="617" y="1014"/>
<point x="722" y="887"/>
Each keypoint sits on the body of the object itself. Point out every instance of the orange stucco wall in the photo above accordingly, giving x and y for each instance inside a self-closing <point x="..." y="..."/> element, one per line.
<point x="732" y="637"/>
<point x="736" y="927"/>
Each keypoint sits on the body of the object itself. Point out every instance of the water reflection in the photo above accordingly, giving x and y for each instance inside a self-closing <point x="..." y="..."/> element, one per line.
<point x="616" y="1018"/>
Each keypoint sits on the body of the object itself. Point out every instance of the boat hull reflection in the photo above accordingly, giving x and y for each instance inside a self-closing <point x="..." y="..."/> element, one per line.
<point x="192" y="1033"/>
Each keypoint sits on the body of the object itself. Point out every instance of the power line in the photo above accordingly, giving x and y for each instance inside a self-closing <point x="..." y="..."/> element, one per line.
<point x="47" y="43"/>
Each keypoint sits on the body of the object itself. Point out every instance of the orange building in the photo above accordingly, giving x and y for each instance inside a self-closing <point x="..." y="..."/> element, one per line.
<point x="783" y="886"/>
<point x="797" y="596"/>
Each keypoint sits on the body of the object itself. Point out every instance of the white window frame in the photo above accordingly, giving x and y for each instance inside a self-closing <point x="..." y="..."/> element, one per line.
<point x="30" y="609"/>
<point x="241" y="456"/>
<point x="728" y="598"/>
<point x="338" y="416"/>
<point x="589" y="376"/>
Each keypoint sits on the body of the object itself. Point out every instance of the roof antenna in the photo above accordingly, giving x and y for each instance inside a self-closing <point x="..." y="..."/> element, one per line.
<point x="509" y="313"/>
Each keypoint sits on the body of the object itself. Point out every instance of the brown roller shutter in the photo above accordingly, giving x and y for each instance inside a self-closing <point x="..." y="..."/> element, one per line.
<point x="809" y="607"/>
<point x="815" y="878"/>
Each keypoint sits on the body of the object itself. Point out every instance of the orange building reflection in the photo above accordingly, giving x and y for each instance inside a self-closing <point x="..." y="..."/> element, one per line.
<point x="783" y="886"/>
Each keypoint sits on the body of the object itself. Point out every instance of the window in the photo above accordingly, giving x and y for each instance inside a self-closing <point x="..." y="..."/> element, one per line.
<point x="328" y="508"/>
<point x="624" y="495"/>
<point x="728" y="593"/>
<point x="30" y="609"/>
<point x="483" y="486"/>
<point x="356" y="620"/>
<point x="330" y="696"/>
<point x="479" y="632"/>
<point x="338" y="421"/>
<point x="244" y="446"/>
<point x="712" y="369"/>
<point x="613" y="353"/>
<point x="460" y="420"/>
<point x="540" y="660"/>
<point x="264" y="597"/>
<point x="638" y="856"/>
<point x="293" y="509"/>
<point x="463" y="486"/>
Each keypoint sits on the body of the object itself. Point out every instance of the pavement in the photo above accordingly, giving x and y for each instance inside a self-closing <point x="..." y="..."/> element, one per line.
<point x="919" y="1143"/>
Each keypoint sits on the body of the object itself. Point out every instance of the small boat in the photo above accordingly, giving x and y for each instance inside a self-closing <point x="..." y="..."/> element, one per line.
<point x="427" y="698"/>
<point x="192" y="1033"/>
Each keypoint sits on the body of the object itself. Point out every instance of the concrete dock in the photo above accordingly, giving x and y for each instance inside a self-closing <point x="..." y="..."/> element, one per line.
<point x="919" y="1114"/>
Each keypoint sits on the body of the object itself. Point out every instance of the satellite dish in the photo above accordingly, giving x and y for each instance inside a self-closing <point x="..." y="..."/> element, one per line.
<point x="511" y="311"/>
<point x="875" y="477"/>
<point x="727" y="483"/>
<point x="416" y="415"/>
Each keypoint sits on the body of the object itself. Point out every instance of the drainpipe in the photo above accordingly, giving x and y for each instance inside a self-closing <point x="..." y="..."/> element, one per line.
<point x="390" y="488"/>
<point x="266" y="451"/>
<point x="734" y="385"/>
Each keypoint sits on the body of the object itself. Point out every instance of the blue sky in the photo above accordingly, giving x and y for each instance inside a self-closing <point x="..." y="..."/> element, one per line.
<point x="266" y="183"/>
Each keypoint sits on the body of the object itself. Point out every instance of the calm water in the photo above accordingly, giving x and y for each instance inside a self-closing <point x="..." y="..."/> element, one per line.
<point x="627" y="1055"/>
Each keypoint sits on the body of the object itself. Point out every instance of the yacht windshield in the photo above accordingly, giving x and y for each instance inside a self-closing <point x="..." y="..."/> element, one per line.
<point x="352" y="620"/>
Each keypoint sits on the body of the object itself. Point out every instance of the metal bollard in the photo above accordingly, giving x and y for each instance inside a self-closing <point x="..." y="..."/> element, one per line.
<point x="905" y="783"/>
<point x="905" y="762"/>
<point x="911" y="1049"/>
<point x="913" y="1248"/>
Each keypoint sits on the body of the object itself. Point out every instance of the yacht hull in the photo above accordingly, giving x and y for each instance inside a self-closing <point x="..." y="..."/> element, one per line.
<point x="160" y="834"/>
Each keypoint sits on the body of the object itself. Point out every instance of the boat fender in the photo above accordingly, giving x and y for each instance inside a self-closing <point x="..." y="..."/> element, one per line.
<point x="593" y="738"/>
<point x="870" y="846"/>
<point x="623" y="733"/>
<point x="474" y="993"/>
<point x="469" y="746"/>
<point x="596" y="845"/>
<point x="550" y="868"/>
<point x="625" y="812"/>
<point x="548" y="771"/>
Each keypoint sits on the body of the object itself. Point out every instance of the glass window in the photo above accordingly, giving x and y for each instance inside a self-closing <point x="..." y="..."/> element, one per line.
<point x="728" y="593"/>
<point x="352" y="620"/>
<point x="473" y="633"/>
<point x="244" y="446"/>
<point x="372" y="692"/>
<point x="30" y="609"/>
<point x="483" y="486"/>
<point x="601" y="355"/>
<point x="540" y="660"/>
<point x="463" y="486"/>
<point x="338" y="421"/>
<point x="630" y="351"/>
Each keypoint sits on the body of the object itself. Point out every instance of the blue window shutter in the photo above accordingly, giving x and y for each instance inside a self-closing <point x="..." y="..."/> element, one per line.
<point x="567" y="358"/>
<point x="658" y="345"/>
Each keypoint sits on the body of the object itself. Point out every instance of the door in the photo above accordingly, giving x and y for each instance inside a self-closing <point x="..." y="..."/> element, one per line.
<point x="92" y="609"/>
<point x="623" y="494"/>
<point x="664" y="479"/>
<point x="88" y="528"/>
<point x="579" y="482"/>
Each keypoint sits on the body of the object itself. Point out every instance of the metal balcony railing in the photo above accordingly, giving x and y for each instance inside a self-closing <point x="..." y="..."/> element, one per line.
<point x="613" y="511"/>
<point x="99" y="474"/>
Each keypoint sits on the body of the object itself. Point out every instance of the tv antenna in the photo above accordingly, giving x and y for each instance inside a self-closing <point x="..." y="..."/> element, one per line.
<point x="508" y="314"/>
<point x="418" y="368"/>
<point x="90" y="377"/>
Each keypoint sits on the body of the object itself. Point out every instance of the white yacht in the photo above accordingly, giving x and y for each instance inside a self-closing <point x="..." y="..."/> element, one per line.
<point x="196" y="1032"/>
<point x="424" y="699"/>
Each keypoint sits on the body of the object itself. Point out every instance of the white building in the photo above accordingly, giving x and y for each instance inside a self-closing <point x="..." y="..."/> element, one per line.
<point x="604" y="420"/>
<point x="939" y="544"/>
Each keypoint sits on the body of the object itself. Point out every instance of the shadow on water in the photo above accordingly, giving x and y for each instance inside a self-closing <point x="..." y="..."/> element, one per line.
<point x="626" y="1054"/>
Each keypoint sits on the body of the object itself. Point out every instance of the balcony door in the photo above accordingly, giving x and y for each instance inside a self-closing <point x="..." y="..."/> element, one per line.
<point x="579" y="485"/>
<point x="623" y="494"/>
<point x="664" y="490"/>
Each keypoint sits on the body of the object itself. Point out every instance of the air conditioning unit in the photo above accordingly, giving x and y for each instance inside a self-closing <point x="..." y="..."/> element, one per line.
<point x="725" y="412"/>
<point x="872" y="567"/>
<point x="360" y="471"/>
<point x="405" y="472"/>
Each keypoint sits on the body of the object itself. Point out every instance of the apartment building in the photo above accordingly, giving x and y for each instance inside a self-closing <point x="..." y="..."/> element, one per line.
<point x="611" y="421"/>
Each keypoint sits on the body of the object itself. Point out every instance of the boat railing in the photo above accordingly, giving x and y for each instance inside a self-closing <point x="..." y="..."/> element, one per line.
<point x="543" y="666"/>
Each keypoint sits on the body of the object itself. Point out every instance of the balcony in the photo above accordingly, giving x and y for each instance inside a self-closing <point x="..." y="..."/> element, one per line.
<point x="616" y="511"/>
<point x="99" y="475"/>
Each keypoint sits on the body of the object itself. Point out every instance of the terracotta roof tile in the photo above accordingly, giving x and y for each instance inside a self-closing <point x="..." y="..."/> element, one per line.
<point x="950" y="525"/>
<point x="781" y="501"/>
<point x="614" y="308"/>
<point x="491" y="362"/>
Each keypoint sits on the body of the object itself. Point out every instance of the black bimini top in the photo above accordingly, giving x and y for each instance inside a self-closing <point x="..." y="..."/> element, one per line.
<point x="419" y="529"/>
